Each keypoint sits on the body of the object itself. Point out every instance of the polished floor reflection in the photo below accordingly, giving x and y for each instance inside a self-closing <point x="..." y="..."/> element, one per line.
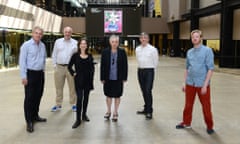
<point x="130" y="128"/>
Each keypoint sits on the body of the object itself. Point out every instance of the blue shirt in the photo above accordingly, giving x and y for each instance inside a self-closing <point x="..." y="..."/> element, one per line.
<point x="199" y="61"/>
<point x="32" y="56"/>
<point x="113" y="67"/>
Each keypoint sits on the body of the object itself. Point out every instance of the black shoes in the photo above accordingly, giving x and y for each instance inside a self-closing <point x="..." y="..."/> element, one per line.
<point x="107" y="115"/>
<point x="76" y="124"/>
<point x="210" y="131"/>
<point x="182" y="126"/>
<point x="85" y="118"/>
<point x="141" y="112"/>
<point x="148" y="116"/>
<point x="115" y="118"/>
<point x="39" y="119"/>
<point x="30" y="127"/>
<point x="30" y="124"/>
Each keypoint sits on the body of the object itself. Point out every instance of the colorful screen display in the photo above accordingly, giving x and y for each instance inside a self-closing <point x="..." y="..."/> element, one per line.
<point x="112" y="21"/>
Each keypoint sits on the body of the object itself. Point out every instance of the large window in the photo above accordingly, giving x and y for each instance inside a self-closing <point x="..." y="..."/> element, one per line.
<point x="10" y="42"/>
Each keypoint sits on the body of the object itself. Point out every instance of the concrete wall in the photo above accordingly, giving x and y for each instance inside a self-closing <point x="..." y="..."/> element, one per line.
<point x="154" y="25"/>
<point x="210" y="26"/>
<point x="185" y="30"/>
<point x="175" y="9"/>
<point x="165" y="8"/>
<point x="77" y="23"/>
<point x="203" y="3"/>
<point x="206" y="3"/>
<point x="149" y="25"/>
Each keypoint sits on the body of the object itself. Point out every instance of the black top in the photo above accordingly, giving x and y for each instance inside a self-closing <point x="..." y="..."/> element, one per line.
<point x="84" y="70"/>
<point x="122" y="65"/>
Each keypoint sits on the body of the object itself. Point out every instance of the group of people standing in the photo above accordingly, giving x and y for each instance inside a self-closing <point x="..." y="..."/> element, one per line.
<point x="72" y="61"/>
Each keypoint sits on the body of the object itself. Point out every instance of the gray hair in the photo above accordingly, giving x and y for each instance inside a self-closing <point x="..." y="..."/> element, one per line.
<point x="114" y="37"/>
<point x="37" y="28"/>
<point x="144" y="34"/>
<point x="67" y="28"/>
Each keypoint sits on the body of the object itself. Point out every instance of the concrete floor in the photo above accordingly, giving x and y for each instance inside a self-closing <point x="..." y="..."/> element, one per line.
<point x="131" y="128"/>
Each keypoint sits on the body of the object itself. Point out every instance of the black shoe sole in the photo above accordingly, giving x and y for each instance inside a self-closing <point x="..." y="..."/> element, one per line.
<point x="86" y="120"/>
<point x="141" y="113"/>
<point x="75" y="125"/>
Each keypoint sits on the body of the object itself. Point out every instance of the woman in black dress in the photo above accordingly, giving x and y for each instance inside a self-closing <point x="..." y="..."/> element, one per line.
<point x="114" y="71"/>
<point x="83" y="73"/>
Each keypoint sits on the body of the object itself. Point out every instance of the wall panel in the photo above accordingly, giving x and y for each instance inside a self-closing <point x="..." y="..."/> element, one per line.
<point x="173" y="10"/>
<point x="236" y="25"/>
<point x="154" y="25"/>
<point x="78" y="24"/>
<point x="206" y="3"/>
<point x="185" y="30"/>
<point x="210" y="26"/>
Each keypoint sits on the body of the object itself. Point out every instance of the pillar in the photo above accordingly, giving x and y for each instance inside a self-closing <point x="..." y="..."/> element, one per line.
<point x="226" y="58"/>
<point x="175" y="50"/>
<point x="164" y="44"/>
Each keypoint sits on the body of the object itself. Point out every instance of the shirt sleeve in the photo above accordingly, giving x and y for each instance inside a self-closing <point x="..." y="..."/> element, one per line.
<point x="45" y="57"/>
<point x="54" y="54"/>
<point x="70" y="65"/>
<point x="92" y="68"/>
<point x="155" y="57"/>
<point x="125" y="64"/>
<point x="23" y="61"/>
<point x="92" y="63"/>
<point x="210" y="59"/>
<point x="187" y="60"/>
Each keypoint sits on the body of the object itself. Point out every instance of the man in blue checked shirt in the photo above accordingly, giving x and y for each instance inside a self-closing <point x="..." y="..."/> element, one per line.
<point x="32" y="64"/>
<point x="199" y="70"/>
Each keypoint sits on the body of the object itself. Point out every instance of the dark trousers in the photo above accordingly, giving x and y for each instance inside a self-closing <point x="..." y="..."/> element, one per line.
<point x="33" y="94"/>
<point x="82" y="102"/>
<point x="145" y="79"/>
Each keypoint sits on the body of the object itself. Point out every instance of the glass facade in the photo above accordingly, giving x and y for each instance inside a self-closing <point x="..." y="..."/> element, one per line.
<point x="11" y="41"/>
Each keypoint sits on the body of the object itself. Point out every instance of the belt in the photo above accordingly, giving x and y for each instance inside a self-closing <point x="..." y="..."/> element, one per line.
<point x="63" y="64"/>
<point x="146" y="68"/>
<point x="30" y="70"/>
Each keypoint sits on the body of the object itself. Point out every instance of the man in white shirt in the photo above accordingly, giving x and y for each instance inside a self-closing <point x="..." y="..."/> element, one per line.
<point x="63" y="49"/>
<point x="147" y="57"/>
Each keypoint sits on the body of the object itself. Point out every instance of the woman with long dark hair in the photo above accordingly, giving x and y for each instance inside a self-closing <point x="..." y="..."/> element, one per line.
<point x="83" y="73"/>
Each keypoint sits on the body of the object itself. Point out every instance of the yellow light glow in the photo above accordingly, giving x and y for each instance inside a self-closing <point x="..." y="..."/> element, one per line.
<point x="157" y="7"/>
